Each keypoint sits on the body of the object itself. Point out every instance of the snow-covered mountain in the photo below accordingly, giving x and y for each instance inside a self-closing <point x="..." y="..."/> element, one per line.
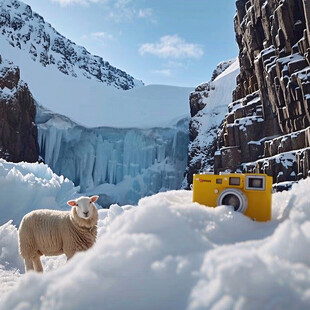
<point x="26" y="30"/>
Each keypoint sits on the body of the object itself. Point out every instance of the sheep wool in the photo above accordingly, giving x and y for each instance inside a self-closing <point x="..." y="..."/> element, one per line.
<point x="53" y="232"/>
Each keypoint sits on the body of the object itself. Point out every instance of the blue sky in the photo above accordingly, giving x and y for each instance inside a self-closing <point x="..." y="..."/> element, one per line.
<point x="171" y="42"/>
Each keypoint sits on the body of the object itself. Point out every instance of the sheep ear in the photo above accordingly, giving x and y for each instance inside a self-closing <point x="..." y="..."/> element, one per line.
<point x="94" y="198"/>
<point x="71" y="203"/>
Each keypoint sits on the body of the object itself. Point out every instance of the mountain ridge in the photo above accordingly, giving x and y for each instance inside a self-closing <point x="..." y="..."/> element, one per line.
<point x="29" y="32"/>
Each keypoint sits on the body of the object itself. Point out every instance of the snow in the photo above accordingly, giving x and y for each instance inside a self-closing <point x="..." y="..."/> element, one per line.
<point x="169" y="253"/>
<point x="25" y="186"/>
<point x="93" y="104"/>
<point x="248" y="121"/>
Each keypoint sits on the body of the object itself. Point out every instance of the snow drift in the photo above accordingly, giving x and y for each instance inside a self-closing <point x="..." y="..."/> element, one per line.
<point x="25" y="187"/>
<point x="170" y="253"/>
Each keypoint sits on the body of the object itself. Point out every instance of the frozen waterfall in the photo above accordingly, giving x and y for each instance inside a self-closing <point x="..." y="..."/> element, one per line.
<point x="122" y="165"/>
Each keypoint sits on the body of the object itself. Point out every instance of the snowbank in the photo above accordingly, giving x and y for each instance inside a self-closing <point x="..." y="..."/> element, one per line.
<point x="170" y="253"/>
<point x="25" y="187"/>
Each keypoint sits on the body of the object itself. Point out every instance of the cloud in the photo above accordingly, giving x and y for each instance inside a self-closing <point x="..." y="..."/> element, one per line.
<point x="165" y="72"/>
<point x="172" y="46"/>
<point x="174" y="64"/>
<point x="147" y="14"/>
<point x="117" y="10"/>
<point x="121" y="10"/>
<point x="101" y="35"/>
<point x="70" y="2"/>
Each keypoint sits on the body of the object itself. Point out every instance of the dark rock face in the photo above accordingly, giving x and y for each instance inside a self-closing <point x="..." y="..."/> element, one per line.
<point x="26" y="30"/>
<point x="267" y="126"/>
<point x="18" y="132"/>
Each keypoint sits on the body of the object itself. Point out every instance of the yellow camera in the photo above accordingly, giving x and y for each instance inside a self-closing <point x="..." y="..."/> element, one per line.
<point x="246" y="193"/>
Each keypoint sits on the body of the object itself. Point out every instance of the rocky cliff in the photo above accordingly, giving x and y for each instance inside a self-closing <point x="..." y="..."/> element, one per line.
<point x="27" y="30"/>
<point x="267" y="125"/>
<point x="18" y="132"/>
<point x="208" y="106"/>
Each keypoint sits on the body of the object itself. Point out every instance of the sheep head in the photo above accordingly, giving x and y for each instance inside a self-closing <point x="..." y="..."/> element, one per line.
<point x="84" y="206"/>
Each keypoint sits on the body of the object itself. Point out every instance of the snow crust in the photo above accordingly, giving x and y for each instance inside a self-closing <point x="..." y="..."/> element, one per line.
<point x="169" y="253"/>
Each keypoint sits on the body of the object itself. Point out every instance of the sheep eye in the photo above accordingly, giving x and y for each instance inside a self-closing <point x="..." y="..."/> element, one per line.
<point x="77" y="204"/>
<point x="90" y="202"/>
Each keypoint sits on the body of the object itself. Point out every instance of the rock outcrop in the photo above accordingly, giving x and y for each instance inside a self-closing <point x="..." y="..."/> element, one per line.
<point x="267" y="126"/>
<point x="26" y="30"/>
<point x="18" y="132"/>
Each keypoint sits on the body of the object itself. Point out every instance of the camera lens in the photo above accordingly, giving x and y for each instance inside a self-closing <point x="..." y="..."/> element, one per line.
<point x="233" y="197"/>
<point x="231" y="200"/>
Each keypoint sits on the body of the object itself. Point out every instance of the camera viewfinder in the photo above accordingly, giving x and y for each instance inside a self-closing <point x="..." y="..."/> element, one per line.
<point x="234" y="181"/>
<point x="257" y="183"/>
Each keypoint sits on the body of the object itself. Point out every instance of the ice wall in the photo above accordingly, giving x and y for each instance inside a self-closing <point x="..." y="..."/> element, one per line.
<point x="122" y="165"/>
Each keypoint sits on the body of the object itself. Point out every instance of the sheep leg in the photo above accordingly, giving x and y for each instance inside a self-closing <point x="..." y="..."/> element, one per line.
<point x="37" y="264"/>
<point x="28" y="264"/>
<point x="69" y="256"/>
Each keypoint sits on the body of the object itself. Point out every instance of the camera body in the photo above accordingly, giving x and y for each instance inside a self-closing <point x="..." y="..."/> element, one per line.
<point x="246" y="193"/>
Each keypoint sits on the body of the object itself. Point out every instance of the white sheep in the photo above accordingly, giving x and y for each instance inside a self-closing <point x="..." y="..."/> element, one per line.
<point x="53" y="232"/>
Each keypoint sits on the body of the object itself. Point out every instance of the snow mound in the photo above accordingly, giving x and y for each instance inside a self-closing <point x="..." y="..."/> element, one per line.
<point x="25" y="187"/>
<point x="170" y="253"/>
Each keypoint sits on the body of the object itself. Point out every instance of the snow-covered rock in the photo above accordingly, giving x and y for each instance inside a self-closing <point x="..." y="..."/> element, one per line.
<point x="221" y="67"/>
<point x="26" y="30"/>
<point x="18" y="132"/>
<point x="209" y="103"/>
